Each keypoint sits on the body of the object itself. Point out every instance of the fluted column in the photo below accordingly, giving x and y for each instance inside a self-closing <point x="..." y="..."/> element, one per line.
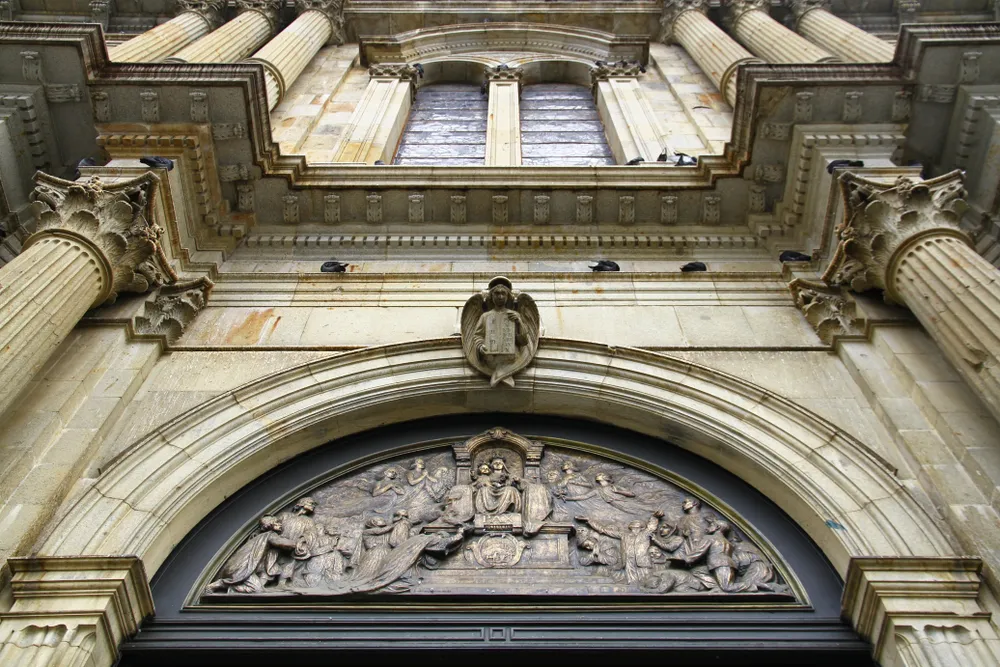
<point x="285" y="56"/>
<point x="93" y="241"/>
<point x="378" y="121"/>
<point x="503" y="124"/>
<point x="256" y="23"/>
<point x="718" y="56"/>
<point x="904" y="238"/>
<point x="839" y="37"/>
<point x="629" y="121"/>
<point x="197" y="18"/>
<point x="749" y="22"/>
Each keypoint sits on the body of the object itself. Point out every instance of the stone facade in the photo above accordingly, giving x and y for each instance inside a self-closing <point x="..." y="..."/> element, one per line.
<point x="168" y="335"/>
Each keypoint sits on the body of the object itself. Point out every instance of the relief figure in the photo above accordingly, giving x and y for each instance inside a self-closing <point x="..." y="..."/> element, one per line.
<point x="500" y="330"/>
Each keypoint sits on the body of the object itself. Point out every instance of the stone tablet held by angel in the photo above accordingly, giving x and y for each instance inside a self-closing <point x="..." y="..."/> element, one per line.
<point x="500" y="329"/>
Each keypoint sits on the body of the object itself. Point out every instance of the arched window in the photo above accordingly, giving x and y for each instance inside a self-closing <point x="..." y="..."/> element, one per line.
<point x="560" y="126"/>
<point x="446" y="127"/>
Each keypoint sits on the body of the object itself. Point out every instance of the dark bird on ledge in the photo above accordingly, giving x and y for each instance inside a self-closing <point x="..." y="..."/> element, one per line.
<point x="482" y="89"/>
<point x="792" y="256"/>
<point x="605" y="265"/>
<point x="333" y="266"/>
<point x="837" y="164"/>
<point x="379" y="162"/>
<point x="154" y="162"/>
<point x="419" y="68"/>
<point x="85" y="162"/>
<point x="664" y="155"/>
<point x="694" y="266"/>
<point x="634" y="161"/>
<point x="600" y="63"/>
<point x="685" y="160"/>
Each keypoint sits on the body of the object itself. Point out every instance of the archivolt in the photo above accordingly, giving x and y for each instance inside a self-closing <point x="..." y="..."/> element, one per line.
<point x="840" y="493"/>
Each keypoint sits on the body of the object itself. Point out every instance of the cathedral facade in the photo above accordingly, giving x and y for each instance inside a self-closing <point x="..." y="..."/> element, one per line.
<point x="373" y="329"/>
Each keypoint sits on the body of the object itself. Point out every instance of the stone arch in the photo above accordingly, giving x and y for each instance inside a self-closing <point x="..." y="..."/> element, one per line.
<point x="845" y="497"/>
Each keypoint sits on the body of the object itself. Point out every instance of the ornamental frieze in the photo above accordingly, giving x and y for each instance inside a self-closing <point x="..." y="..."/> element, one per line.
<point x="498" y="515"/>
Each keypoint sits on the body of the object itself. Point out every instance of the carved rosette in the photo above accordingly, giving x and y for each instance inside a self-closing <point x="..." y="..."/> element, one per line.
<point x="267" y="8"/>
<point x="116" y="220"/>
<point x="674" y="8"/>
<point x="210" y="10"/>
<point x="881" y="220"/>
<point x="334" y="12"/>
<point x="828" y="309"/>
<point x="800" y="7"/>
<point x="400" y="71"/>
<point x="735" y="9"/>
<point x="173" y="308"/>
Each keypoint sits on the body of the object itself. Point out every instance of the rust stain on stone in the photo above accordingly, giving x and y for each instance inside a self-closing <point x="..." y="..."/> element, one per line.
<point x="248" y="332"/>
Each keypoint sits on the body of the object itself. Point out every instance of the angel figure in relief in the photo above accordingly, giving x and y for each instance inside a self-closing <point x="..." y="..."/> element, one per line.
<point x="500" y="329"/>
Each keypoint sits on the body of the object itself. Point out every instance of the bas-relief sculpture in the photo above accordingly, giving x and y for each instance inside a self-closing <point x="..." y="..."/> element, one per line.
<point x="500" y="330"/>
<point x="499" y="515"/>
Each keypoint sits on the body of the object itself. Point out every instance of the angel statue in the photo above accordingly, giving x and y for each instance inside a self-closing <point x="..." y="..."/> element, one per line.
<point x="500" y="329"/>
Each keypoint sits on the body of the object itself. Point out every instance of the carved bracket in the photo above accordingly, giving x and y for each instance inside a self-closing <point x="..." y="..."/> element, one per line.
<point x="173" y="308"/>
<point x="830" y="311"/>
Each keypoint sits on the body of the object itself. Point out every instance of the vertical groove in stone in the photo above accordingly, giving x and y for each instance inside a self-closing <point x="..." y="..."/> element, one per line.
<point x="292" y="49"/>
<point x="843" y="39"/>
<point x="773" y="42"/>
<point x="163" y="40"/>
<point x="232" y="42"/>
<point x="44" y="292"/>
<point x="710" y="47"/>
<point x="954" y="293"/>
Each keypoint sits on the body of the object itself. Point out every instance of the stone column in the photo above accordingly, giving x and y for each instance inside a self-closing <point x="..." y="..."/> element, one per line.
<point x="629" y="121"/>
<point x="718" y="56"/>
<point x="378" y="121"/>
<point x="73" y="610"/>
<point x="749" y="22"/>
<point x="921" y="612"/>
<point x="93" y="241"/>
<point x="503" y="125"/>
<point x="197" y="18"/>
<point x="284" y="57"/>
<point x="838" y="36"/>
<point x="904" y="238"/>
<point x="237" y="39"/>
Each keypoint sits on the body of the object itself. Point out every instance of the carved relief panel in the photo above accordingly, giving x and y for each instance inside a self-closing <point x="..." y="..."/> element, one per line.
<point x="499" y="515"/>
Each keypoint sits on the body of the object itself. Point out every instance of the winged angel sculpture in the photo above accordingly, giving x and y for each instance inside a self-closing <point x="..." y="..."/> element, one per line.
<point x="500" y="329"/>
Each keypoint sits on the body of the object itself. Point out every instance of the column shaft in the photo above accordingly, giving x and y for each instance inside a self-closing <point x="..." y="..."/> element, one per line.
<point x="44" y="292"/>
<point x="167" y="38"/>
<point x="715" y="52"/>
<point x="503" y="125"/>
<point x="956" y="296"/>
<point x="629" y="121"/>
<point x="378" y="121"/>
<point x="774" y="42"/>
<point x="285" y="56"/>
<point x="843" y="39"/>
<point x="232" y="42"/>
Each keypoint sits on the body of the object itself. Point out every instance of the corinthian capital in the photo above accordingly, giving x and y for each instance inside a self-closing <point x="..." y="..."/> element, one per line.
<point x="880" y="219"/>
<point x="622" y="68"/>
<point x="116" y="221"/>
<point x="210" y="10"/>
<point x="674" y="8"/>
<point x="401" y="71"/>
<point x="333" y="10"/>
<point x="267" y="8"/>
<point x="504" y="72"/>
<point x="173" y="307"/>
<point x="829" y="310"/>
<point x="735" y="9"/>
<point x="800" y="7"/>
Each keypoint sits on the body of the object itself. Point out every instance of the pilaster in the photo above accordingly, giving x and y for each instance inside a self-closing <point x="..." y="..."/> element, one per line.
<point x="629" y="121"/>
<point x="503" y="127"/>
<point x="378" y="121"/>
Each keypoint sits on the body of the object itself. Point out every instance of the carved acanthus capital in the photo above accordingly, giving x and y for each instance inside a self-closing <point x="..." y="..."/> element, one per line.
<point x="735" y="9"/>
<point x="623" y="68"/>
<point x="173" y="308"/>
<point x="882" y="219"/>
<point x="674" y="8"/>
<point x="830" y="311"/>
<point x="800" y="7"/>
<point x="333" y="10"/>
<point x="267" y="8"/>
<point x="116" y="220"/>
<point x="504" y="72"/>
<point x="210" y="10"/>
<point x="401" y="71"/>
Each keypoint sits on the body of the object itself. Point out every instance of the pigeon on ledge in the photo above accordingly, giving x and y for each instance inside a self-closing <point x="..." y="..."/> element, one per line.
<point x="333" y="267"/>
<point x="605" y="265"/>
